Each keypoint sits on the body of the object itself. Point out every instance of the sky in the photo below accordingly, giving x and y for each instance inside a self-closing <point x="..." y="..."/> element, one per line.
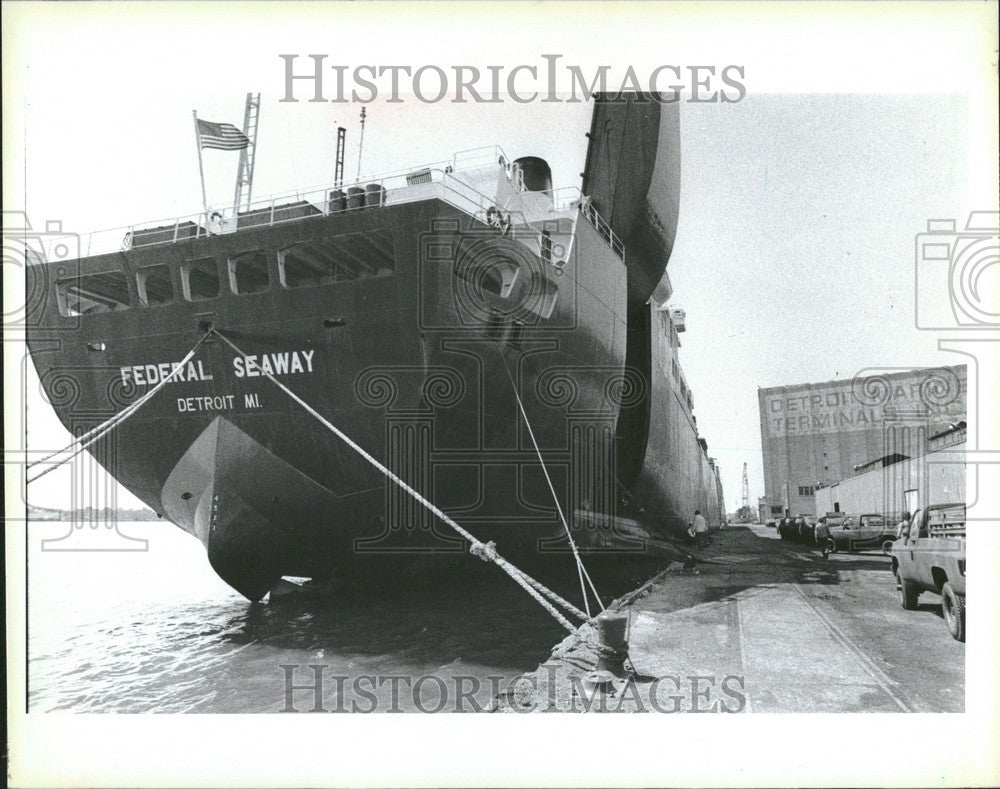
<point x="794" y="252"/>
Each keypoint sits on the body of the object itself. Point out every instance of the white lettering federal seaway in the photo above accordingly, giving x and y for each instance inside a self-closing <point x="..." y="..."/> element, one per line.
<point x="250" y="366"/>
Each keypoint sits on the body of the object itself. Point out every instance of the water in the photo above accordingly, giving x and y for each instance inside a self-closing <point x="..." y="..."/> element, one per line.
<point x="157" y="631"/>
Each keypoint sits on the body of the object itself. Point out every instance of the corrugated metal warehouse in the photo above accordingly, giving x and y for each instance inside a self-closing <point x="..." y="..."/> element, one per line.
<point x="935" y="478"/>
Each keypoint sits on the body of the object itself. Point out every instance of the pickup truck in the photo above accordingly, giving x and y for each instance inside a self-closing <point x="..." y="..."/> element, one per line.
<point x="930" y="557"/>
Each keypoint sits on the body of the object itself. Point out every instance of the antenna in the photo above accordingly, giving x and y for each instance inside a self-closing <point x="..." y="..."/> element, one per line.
<point x="244" y="175"/>
<point x="361" y="141"/>
<point x="338" y="168"/>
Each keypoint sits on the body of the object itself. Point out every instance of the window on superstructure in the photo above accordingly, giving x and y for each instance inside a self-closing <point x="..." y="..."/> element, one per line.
<point x="154" y="285"/>
<point x="303" y="264"/>
<point x="343" y="258"/>
<point x="248" y="272"/>
<point x="200" y="279"/>
<point x="91" y="294"/>
<point x="806" y="490"/>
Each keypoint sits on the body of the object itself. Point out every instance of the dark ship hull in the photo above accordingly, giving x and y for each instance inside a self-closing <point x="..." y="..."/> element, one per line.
<point x="414" y="322"/>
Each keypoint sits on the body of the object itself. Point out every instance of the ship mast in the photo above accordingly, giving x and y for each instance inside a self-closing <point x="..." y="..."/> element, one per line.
<point x="244" y="175"/>
<point x="338" y="167"/>
<point x="361" y="141"/>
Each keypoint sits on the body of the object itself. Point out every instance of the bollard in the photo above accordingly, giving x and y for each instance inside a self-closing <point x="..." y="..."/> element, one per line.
<point x="612" y="641"/>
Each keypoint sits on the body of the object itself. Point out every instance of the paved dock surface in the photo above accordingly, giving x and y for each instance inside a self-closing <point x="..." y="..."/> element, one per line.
<point x="765" y="625"/>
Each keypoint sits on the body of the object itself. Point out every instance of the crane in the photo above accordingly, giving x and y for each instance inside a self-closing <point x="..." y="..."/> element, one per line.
<point x="745" y="514"/>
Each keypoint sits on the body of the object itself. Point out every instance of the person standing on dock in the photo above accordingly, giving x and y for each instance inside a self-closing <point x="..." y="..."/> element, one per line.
<point x="904" y="525"/>
<point x="700" y="529"/>
<point x="823" y="539"/>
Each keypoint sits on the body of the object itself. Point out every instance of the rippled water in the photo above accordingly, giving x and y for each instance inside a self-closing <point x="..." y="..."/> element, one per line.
<point x="157" y="631"/>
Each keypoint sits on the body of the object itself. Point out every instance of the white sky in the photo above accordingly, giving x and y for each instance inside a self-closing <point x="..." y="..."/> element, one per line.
<point x="794" y="256"/>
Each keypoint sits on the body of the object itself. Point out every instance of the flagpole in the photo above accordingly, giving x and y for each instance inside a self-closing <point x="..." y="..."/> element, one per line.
<point x="201" y="166"/>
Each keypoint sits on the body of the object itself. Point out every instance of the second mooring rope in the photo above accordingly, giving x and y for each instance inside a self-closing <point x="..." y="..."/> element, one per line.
<point x="485" y="551"/>
<point x="580" y="569"/>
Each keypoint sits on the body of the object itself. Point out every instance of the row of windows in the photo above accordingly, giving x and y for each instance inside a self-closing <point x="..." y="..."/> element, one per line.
<point x="343" y="258"/>
<point x="807" y="490"/>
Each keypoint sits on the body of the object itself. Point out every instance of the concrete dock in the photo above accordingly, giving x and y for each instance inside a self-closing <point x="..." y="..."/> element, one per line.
<point x="761" y="625"/>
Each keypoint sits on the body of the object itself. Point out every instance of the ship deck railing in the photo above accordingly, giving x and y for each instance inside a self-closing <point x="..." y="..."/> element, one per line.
<point x="451" y="181"/>
<point x="570" y="196"/>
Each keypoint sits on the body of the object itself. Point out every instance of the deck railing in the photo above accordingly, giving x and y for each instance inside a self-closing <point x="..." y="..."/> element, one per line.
<point x="571" y="197"/>
<point x="440" y="179"/>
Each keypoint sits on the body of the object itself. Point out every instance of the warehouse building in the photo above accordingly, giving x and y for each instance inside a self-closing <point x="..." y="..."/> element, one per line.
<point x="937" y="477"/>
<point x="817" y="435"/>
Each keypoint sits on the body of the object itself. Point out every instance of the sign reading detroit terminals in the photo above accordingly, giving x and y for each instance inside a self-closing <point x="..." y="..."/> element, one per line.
<point x="863" y="403"/>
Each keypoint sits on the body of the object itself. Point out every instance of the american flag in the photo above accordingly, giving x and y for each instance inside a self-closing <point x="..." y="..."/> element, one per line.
<point x="222" y="136"/>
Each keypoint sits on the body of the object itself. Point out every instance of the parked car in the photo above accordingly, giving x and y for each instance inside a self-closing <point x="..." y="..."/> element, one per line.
<point x="772" y="523"/>
<point x="858" y="532"/>
<point x="930" y="557"/>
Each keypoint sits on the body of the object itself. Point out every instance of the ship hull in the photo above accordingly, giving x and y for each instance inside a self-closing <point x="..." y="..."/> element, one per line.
<point x="419" y="373"/>
<point x="454" y="356"/>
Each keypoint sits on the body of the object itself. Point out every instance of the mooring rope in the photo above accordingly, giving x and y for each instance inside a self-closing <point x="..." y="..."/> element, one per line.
<point x="485" y="551"/>
<point x="580" y="569"/>
<point x="97" y="433"/>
